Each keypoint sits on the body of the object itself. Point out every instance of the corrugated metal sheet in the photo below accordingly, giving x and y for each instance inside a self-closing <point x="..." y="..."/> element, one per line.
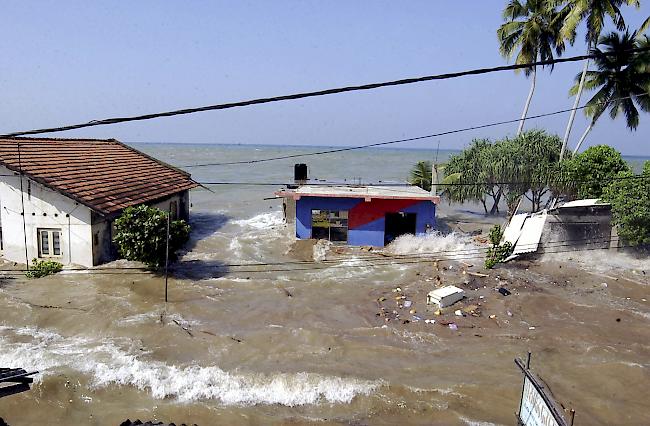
<point x="531" y="234"/>
<point x="513" y="230"/>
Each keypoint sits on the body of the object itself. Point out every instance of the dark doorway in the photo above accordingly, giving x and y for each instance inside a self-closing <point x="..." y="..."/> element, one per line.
<point x="398" y="224"/>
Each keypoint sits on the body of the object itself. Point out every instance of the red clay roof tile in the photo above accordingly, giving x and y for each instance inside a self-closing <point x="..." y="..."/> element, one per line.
<point x="105" y="175"/>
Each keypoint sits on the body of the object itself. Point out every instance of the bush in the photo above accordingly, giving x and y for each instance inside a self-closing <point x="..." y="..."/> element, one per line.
<point x="593" y="170"/>
<point x="140" y="234"/>
<point x="43" y="268"/>
<point x="498" y="252"/>
<point x="630" y="200"/>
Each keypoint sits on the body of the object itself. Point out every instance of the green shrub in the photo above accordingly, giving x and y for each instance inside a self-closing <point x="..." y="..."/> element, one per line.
<point x="498" y="252"/>
<point x="140" y="234"/>
<point x="630" y="200"/>
<point x="43" y="268"/>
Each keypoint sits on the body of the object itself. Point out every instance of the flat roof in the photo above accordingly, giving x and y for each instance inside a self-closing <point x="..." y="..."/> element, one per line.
<point x="366" y="192"/>
<point x="589" y="202"/>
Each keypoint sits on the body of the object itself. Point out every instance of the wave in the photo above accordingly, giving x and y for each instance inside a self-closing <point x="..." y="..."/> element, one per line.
<point x="261" y="221"/>
<point x="452" y="244"/>
<point x="108" y="364"/>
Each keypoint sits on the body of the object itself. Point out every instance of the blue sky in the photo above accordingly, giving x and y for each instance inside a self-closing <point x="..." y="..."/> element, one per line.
<point x="75" y="61"/>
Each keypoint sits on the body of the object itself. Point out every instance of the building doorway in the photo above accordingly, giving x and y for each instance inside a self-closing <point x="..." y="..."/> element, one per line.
<point x="398" y="224"/>
<point x="329" y="225"/>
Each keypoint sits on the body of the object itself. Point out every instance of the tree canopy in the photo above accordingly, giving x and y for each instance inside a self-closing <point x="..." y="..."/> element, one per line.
<point x="592" y="170"/>
<point x="506" y="169"/>
<point x="630" y="200"/>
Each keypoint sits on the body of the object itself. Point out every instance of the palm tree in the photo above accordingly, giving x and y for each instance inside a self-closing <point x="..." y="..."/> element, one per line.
<point x="421" y="175"/>
<point x="594" y="13"/>
<point x="622" y="79"/>
<point x="531" y="30"/>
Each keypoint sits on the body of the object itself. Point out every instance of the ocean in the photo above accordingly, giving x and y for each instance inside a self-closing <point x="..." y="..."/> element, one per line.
<point x="296" y="342"/>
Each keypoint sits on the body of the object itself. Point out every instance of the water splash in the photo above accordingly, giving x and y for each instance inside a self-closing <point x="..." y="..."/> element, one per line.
<point x="107" y="363"/>
<point x="451" y="245"/>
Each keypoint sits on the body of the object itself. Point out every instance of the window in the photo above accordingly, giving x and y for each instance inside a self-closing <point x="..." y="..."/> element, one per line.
<point x="49" y="242"/>
<point x="329" y="225"/>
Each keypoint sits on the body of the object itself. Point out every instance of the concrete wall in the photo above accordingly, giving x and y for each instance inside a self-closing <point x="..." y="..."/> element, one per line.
<point x="86" y="237"/>
<point x="366" y="219"/>
<point x="44" y="208"/>
<point x="578" y="228"/>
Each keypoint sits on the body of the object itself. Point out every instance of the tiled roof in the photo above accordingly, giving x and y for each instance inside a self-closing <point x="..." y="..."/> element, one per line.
<point x="105" y="175"/>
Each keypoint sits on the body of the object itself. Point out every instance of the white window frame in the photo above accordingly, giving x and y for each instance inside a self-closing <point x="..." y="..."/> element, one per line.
<point x="50" y="242"/>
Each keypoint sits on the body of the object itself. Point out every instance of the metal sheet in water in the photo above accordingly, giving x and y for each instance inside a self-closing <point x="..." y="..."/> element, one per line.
<point x="513" y="230"/>
<point x="531" y="233"/>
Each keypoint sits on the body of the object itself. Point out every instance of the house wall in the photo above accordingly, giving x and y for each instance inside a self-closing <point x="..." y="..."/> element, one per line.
<point x="577" y="228"/>
<point x="44" y="208"/>
<point x="102" y="227"/>
<point x="366" y="219"/>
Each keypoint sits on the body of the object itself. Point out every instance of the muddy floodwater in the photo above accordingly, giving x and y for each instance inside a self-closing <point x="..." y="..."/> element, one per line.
<point x="328" y="341"/>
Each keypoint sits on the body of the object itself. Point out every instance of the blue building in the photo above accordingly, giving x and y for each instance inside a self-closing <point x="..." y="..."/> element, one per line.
<point x="359" y="215"/>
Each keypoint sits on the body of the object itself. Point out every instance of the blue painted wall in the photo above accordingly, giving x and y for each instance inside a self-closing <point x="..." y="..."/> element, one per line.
<point x="368" y="234"/>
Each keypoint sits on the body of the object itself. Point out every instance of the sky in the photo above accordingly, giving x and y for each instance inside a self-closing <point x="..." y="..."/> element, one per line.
<point x="67" y="62"/>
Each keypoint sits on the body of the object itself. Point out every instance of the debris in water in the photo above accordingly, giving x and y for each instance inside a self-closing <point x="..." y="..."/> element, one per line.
<point x="407" y="303"/>
<point x="453" y="326"/>
<point x="504" y="291"/>
<point x="531" y="328"/>
<point x="458" y="312"/>
<point x="445" y="296"/>
<point x="493" y="316"/>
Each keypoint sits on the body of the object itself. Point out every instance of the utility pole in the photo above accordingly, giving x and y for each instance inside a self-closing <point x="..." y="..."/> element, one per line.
<point x="22" y="204"/>
<point x="169" y="215"/>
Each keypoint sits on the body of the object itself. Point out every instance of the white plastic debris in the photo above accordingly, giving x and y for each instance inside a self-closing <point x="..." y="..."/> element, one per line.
<point x="458" y="312"/>
<point x="445" y="296"/>
<point x="407" y="303"/>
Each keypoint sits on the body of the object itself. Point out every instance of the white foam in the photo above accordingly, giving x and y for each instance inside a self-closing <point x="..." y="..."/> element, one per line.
<point x="601" y="260"/>
<point x="452" y="245"/>
<point x="321" y="248"/>
<point x="261" y="221"/>
<point x="107" y="363"/>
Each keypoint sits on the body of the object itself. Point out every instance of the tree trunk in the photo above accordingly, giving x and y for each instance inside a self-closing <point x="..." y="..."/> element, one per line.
<point x="575" y="105"/>
<point x="484" y="205"/>
<point x="530" y="98"/>
<point x="495" y="206"/>
<point x="584" y="136"/>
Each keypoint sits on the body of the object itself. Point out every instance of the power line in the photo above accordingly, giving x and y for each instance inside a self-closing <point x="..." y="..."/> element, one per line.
<point x="303" y="95"/>
<point x="396" y="141"/>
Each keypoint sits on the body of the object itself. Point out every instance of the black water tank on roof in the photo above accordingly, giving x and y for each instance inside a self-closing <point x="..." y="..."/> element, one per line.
<point x="300" y="172"/>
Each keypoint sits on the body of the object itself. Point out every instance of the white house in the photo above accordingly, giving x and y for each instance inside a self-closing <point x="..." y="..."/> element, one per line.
<point x="59" y="197"/>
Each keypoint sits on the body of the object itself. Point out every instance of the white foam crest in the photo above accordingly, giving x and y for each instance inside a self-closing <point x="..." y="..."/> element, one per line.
<point x="451" y="245"/>
<point x="261" y="221"/>
<point x="602" y="261"/>
<point x="321" y="248"/>
<point x="108" y="364"/>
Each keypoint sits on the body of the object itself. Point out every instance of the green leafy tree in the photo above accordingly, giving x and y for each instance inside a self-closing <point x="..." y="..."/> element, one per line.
<point x="622" y="80"/>
<point x="591" y="171"/>
<point x="594" y="14"/>
<point x="470" y="177"/>
<point x="141" y="233"/>
<point x="532" y="33"/>
<point x="504" y="170"/>
<point x="421" y="175"/>
<point x="630" y="200"/>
